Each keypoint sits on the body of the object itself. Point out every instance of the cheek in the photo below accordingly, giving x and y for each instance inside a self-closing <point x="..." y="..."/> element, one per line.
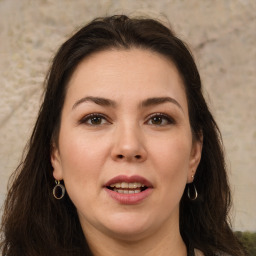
<point x="81" y="170"/>
<point x="171" y="159"/>
<point x="81" y="160"/>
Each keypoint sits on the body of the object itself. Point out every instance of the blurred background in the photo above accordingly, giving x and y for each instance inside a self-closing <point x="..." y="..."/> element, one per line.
<point x="221" y="35"/>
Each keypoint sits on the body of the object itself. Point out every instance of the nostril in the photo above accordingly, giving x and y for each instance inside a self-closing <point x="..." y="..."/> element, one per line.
<point x="138" y="157"/>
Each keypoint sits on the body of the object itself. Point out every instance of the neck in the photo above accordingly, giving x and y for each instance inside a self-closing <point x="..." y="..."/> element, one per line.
<point x="161" y="243"/>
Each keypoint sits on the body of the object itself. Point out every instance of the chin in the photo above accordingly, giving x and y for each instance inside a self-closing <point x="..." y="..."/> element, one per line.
<point x="128" y="234"/>
<point x="128" y="227"/>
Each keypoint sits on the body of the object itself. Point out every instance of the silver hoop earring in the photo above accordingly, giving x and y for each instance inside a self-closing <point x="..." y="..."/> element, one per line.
<point x="194" y="194"/>
<point x="58" y="190"/>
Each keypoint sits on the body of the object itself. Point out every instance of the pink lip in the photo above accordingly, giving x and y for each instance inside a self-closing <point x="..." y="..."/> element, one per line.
<point x="129" y="199"/>
<point x="134" y="178"/>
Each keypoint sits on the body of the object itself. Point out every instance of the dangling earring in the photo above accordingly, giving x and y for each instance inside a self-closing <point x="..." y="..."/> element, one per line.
<point x="195" y="194"/>
<point x="58" y="190"/>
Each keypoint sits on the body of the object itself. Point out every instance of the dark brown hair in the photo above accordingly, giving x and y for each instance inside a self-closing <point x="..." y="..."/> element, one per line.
<point x="36" y="224"/>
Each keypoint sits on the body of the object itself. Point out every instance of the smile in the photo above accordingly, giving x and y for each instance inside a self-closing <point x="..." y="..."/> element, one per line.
<point x="127" y="188"/>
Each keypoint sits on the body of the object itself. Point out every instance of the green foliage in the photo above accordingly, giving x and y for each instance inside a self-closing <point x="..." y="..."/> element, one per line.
<point x="248" y="239"/>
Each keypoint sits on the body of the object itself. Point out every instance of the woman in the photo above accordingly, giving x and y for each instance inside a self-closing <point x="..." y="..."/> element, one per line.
<point x="125" y="131"/>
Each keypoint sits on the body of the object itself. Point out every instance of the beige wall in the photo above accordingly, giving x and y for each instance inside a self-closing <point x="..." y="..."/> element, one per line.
<point x="221" y="33"/>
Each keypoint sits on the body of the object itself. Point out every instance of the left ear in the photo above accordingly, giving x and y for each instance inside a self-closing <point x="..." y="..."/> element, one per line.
<point x="56" y="163"/>
<point x="195" y="157"/>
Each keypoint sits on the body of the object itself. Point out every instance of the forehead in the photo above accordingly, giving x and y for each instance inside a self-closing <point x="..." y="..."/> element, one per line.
<point x="118" y="74"/>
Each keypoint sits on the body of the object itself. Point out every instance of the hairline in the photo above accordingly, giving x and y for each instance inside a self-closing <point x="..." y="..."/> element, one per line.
<point x="118" y="47"/>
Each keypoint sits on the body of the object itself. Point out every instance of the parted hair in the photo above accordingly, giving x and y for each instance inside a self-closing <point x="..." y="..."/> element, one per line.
<point x="34" y="223"/>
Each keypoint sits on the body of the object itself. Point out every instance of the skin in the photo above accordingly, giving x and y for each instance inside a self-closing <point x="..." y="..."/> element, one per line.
<point x="127" y="141"/>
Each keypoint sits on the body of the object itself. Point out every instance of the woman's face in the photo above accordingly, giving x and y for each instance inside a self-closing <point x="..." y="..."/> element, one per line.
<point x="125" y="149"/>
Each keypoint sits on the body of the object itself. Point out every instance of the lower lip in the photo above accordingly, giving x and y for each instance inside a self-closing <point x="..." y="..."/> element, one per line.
<point x="129" y="199"/>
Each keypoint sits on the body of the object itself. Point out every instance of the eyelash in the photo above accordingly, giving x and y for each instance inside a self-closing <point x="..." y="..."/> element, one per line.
<point x="163" y="116"/>
<point x="85" y="119"/>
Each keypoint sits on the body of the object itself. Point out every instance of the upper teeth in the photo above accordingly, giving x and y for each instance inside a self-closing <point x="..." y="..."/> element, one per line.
<point x="127" y="185"/>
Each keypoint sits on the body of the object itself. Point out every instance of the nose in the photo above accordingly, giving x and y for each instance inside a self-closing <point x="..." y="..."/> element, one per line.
<point x="129" y="145"/>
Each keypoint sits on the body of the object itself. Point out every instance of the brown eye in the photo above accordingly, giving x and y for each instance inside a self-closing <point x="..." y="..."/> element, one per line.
<point x="157" y="120"/>
<point x="94" y="120"/>
<point x="160" y="120"/>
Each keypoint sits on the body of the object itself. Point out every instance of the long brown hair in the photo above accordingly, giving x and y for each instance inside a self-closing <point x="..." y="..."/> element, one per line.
<point x="36" y="224"/>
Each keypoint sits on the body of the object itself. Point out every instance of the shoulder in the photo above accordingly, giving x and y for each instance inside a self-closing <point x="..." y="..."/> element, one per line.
<point x="198" y="253"/>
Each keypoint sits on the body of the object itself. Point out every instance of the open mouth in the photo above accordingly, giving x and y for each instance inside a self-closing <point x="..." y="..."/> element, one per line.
<point x="127" y="188"/>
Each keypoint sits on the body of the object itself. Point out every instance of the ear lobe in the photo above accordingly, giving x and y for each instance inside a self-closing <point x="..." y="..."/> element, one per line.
<point x="195" y="158"/>
<point x="56" y="163"/>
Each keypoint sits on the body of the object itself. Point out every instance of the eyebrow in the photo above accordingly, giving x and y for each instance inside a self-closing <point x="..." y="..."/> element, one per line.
<point x="160" y="100"/>
<point x="110" y="103"/>
<point x="97" y="100"/>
